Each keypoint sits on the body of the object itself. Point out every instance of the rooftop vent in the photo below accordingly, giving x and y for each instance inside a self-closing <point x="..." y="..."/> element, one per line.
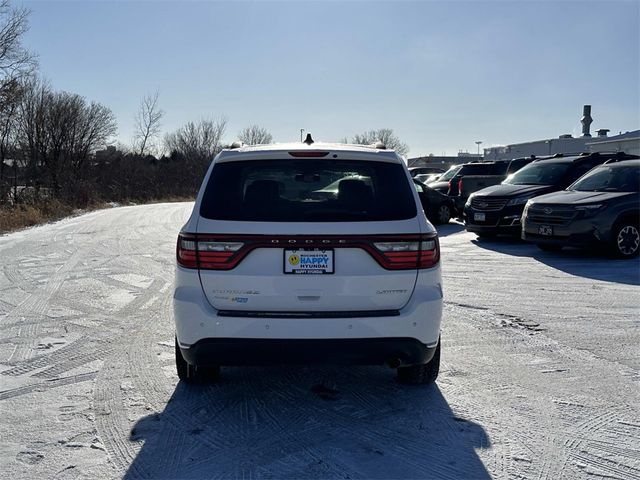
<point x="379" y="146"/>
<point x="566" y="135"/>
<point x="586" y="120"/>
<point x="309" y="139"/>
<point x="603" y="132"/>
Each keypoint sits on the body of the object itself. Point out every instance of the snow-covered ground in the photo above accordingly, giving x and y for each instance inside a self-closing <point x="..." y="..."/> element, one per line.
<point x="540" y="376"/>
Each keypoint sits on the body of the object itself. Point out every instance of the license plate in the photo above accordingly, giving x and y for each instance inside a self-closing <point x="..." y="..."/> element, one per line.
<point x="308" y="261"/>
<point x="545" y="230"/>
<point x="478" y="217"/>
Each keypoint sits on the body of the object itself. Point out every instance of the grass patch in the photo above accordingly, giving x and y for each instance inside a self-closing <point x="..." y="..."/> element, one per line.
<point x="22" y="216"/>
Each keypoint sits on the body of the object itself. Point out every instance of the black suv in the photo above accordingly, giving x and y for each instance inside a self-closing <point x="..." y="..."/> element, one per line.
<point x="485" y="168"/>
<point x="601" y="208"/>
<point x="498" y="209"/>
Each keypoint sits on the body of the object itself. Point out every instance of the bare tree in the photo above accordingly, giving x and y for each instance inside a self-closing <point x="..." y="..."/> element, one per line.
<point x="198" y="141"/>
<point x="255" y="135"/>
<point x="9" y="100"/>
<point x="15" y="60"/>
<point x="15" y="63"/>
<point x="147" y="124"/>
<point x="384" y="135"/>
<point x="58" y="132"/>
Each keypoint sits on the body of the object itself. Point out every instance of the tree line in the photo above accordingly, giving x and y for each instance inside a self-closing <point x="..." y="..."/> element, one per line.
<point x="59" y="145"/>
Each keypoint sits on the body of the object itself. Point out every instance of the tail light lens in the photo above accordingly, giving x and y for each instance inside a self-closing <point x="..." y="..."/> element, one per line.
<point x="224" y="252"/>
<point x="194" y="252"/>
<point x="422" y="252"/>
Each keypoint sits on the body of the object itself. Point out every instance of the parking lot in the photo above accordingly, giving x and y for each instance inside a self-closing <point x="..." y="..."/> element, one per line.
<point x="540" y="374"/>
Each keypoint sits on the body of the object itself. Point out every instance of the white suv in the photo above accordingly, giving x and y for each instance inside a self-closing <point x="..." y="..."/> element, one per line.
<point x="308" y="253"/>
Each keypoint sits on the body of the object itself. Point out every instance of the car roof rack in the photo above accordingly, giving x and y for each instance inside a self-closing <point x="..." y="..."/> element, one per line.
<point x="621" y="156"/>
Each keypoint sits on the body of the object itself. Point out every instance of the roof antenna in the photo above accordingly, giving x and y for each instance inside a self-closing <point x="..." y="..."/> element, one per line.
<point x="309" y="139"/>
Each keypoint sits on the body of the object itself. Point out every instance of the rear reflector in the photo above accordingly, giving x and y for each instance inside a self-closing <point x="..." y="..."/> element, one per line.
<point x="225" y="252"/>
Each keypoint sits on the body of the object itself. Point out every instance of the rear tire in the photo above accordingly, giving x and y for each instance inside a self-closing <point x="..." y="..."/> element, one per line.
<point x="422" y="374"/>
<point x="626" y="239"/>
<point x="443" y="214"/>
<point x="193" y="374"/>
<point x="547" y="247"/>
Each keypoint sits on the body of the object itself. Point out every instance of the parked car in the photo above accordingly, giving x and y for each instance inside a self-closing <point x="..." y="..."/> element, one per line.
<point x="442" y="183"/>
<point x="425" y="170"/>
<point x="471" y="183"/>
<point x="481" y="168"/>
<point x="438" y="208"/>
<point x="268" y="272"/>
<point x="601" y="208"/>
<point x="489" y="169"/>
<point x="498" y="209"/>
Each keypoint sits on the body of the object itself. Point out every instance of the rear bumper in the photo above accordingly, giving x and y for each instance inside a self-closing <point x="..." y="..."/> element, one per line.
<point x="353" y="351"/>
<point x="196" y="320"/>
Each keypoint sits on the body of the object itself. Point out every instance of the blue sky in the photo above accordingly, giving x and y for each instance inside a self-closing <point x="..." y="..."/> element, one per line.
<point x="441" y="74"/>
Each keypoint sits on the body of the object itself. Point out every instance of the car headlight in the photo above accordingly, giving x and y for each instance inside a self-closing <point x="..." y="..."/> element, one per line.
<point x="585" y="211"/>
<point x="468" y="203"/>
<point x="517" y="201"/>
<point x="526" y="208"/>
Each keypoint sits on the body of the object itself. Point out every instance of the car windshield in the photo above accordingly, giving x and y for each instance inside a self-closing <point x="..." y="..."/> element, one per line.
<point x="609" y="178"/>
<point x="542" y="173"/>
<point x="449" y="174"/>
<point x="310" y="190"/>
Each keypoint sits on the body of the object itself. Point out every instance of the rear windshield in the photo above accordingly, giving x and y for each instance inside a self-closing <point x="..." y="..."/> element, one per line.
<point x="308" y="191"/>
<point x="484" y="169"/>
<point x="613" y="178"/>
<point x="449" y="174"/>
<point x="516" y="165"/>
<point x="542" y="173"/>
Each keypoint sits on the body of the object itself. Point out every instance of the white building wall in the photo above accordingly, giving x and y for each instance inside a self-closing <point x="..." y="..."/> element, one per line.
<point x="626" y="145"/>
<point x="538" y="148"/>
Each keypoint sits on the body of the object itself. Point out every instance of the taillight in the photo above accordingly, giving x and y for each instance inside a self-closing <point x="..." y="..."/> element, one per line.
<point x="422" y="252"/>
<point x="225" y="251"/>
<point x="194" y="252"/>
<point x="186" y="252"/>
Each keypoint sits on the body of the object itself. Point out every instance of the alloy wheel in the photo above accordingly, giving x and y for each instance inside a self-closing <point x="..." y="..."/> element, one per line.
<point x="628" y="240"/>
<point x="444" y="214"/>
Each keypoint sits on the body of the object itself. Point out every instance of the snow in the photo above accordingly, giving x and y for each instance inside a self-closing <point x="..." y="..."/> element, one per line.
<point x="540" y="373"/>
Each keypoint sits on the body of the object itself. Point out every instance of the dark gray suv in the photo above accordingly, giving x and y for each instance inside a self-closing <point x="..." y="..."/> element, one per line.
<point x="600" y="208"/>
